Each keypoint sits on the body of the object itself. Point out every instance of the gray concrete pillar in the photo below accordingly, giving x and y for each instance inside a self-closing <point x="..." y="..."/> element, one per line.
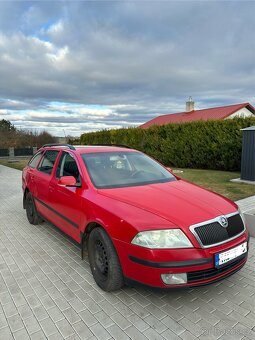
<point x="11" y="152"/>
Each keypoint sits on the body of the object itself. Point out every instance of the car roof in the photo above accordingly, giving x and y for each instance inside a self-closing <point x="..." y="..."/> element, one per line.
<point x="88" y="148"/>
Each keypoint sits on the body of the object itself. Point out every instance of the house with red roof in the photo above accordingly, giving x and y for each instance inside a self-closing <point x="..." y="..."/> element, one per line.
<point x="214" y="113"/>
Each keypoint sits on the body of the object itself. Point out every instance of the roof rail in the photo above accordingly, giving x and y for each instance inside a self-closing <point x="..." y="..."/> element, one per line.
<point x="57" y="144"/>
<point x="117" y="145"/>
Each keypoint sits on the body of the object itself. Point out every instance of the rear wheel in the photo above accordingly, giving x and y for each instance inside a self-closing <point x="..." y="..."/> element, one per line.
<point x="104" y="261"/>
<point x="31" y="211"/>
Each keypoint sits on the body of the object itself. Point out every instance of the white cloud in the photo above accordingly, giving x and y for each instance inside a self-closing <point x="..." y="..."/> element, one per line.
<point x="56" y="28"/>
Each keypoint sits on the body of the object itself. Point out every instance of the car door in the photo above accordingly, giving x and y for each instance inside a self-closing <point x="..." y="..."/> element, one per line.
<point x="66" y="202"/>
<point x="41" y="178"/>
<point x="29" y="173"/>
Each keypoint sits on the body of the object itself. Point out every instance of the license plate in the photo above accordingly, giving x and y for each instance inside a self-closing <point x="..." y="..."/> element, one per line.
<point x="226" y="256"/>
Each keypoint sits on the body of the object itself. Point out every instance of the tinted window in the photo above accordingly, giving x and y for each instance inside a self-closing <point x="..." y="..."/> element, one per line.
<point x="122" y="169"/>
<point x="47" y="163"/>
<point x="34" y="160"/>
<point x="67" y="167"/>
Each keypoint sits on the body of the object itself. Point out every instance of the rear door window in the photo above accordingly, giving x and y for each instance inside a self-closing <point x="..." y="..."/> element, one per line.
<point x="47" y="162"/>
<point x="35" y="159"/>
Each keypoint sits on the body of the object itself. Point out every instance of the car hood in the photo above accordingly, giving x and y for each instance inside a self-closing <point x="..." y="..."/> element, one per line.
<point x="179" y="202"/>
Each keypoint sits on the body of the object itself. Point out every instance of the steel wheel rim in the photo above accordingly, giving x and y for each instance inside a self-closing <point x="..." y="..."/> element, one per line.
<point x="30" y="207"/>
<point x="101" y="259"/>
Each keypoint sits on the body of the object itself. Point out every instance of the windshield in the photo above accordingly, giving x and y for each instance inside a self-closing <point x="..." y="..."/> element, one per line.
<point x="123" y="169"/>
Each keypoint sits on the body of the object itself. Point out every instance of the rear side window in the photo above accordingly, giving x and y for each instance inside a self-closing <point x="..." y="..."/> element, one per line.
<point x="34" y="160"/>
<point x="47" y="163"/>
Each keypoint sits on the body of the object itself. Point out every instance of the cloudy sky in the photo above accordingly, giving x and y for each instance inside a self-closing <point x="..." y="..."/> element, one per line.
<point x="75" y="66"/>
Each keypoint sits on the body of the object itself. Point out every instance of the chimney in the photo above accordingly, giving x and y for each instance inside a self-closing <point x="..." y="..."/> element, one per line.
<point x="190" y="105"/>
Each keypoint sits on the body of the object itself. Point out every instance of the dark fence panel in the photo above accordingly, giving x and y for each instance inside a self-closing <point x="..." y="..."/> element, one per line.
<point x="248" y="154"/>
<point x="4" y="152"/>
<point x="23" y="152"/>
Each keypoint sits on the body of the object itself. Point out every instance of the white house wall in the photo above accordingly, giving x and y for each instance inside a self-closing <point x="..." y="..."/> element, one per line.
<point x="244" y="112"/>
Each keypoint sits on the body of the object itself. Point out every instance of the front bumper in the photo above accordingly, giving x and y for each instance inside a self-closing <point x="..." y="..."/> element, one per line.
<point x="146" y="266"/>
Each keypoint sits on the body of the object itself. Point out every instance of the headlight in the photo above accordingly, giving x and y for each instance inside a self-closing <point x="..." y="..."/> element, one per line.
<point x="169" y="238"/>
<point x="242" y="215"/>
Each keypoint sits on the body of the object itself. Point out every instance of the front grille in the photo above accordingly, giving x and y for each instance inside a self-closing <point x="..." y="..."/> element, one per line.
<point x="213" y="272"/>
<point x="213" y="233"/>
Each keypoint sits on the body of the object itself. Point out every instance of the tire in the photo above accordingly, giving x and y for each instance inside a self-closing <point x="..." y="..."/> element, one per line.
<point x="104" y="261"/>
<point x="31" y="211"/>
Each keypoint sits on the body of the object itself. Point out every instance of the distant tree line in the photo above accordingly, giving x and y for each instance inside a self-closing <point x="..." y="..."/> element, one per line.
<point x="10" y="136"/>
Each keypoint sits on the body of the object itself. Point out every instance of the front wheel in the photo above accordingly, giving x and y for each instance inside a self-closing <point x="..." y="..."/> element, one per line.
<point x="104" y="261"/>
<point x="31" y="211"/>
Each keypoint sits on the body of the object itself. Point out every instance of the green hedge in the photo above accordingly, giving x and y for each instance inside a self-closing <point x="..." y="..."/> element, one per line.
<point x="214" y="144"/>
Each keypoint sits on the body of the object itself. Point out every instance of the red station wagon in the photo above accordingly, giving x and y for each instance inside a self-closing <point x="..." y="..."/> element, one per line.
<point x="138" y="221"/>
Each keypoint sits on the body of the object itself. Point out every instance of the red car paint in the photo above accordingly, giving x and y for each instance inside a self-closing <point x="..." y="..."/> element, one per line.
<point x="123" y="212"/>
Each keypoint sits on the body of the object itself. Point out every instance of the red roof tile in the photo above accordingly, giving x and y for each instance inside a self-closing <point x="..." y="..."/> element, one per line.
<point x="205" y="114"/>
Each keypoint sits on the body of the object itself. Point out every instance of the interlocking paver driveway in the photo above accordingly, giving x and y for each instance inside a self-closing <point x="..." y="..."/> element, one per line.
<point x="47" y="292"/>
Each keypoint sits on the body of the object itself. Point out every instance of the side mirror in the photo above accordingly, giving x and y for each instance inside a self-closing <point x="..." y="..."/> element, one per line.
<point x="67" y="181"/>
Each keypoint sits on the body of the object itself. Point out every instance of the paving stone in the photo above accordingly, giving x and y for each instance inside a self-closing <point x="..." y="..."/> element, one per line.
<point x="104" y="319"/>
<point x="68" y="294"/>
<point x="155" y="324"/>
<point x="244" y="331"/>
<point x="56" y="336"/>
<point x="77" y="305"/>
<point x="3" y="321"/>
<point x="21" y="335"/>
<point x="170" y="311"/>
<point x="48" y="327"/>
<point x="120" y="320"/>
<point x="65" y="328"/>
<point x="225" y="320"/>
<point x="71" y="315"/>
<point x="5" y="298"/>
<point x="82" y="330"/>
<point x="88" y="317"/>
<point x="15" y="323"/>
<point x="32" y="325"/>
<point x="55" y="314"/>
<point x="33" y="301"/>
<point x="248" y="320"/>
<point x="47" y="302"/>
<point x="27" y="290"/>
<point x="139" y="323"/>
<point x="40" y="313"/>
<point x="100" y="332"/>
<point x="187" y="336"/>
<point x="173" y="325"/>
<point x="190" y="326"/>
<point x="10" y="309"/>
<point x="25" y="311"/>
<point x="19" y="299"/>
<point x="62" y="304"/>
<point x="5" y="334"/>
<point x="117" y="333"/>
<point x="138" y="309"/>
<point x="134" y="333"/>
<point x="38" y="336"/>
<point x="94" y="307"/>
<point x="14" y="289"/>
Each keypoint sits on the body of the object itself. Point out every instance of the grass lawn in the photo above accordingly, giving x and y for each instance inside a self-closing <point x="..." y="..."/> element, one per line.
<point x="218" y="181"/>
<point x="16" y="164"/>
